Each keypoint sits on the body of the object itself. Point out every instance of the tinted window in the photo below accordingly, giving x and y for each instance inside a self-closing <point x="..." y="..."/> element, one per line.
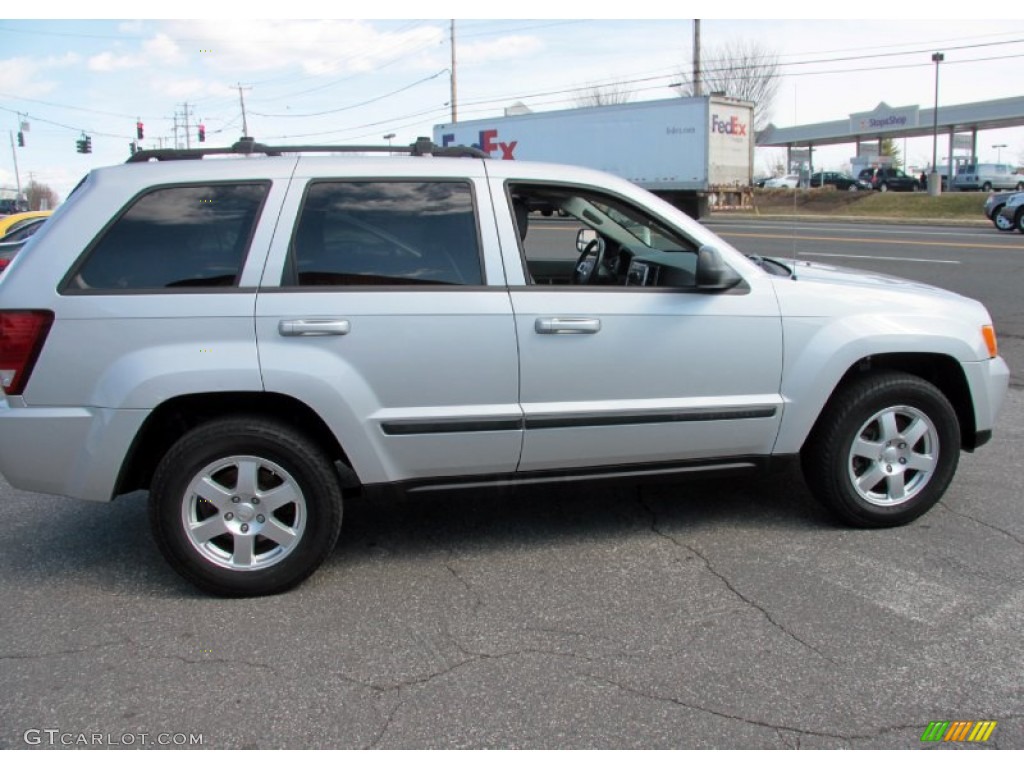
<point x="177" y="237"/>
<point x="386" y="233"/>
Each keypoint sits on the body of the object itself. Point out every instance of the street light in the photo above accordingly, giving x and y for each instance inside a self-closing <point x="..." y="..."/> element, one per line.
<point x="999" y="151"/>
<point x="935" y="182"/>
<point x="389" y="137"/>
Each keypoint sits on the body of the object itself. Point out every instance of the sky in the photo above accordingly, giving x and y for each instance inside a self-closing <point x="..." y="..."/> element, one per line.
<point x="355" y="81"/>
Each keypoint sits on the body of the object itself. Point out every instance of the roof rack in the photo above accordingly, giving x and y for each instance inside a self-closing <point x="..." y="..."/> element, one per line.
<point x="248" y="146"/>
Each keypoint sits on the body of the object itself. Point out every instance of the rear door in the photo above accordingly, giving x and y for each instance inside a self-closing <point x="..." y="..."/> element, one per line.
<point x="385" y="309"/>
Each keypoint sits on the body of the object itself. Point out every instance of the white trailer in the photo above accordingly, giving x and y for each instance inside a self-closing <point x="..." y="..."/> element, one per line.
<point x="697" y="153"/>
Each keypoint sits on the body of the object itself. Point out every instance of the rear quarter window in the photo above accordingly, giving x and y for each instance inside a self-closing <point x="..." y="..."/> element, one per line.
<point x="182" y="237"/>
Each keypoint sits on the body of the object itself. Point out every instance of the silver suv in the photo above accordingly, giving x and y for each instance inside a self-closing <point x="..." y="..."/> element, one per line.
<point x="247" y="338"/>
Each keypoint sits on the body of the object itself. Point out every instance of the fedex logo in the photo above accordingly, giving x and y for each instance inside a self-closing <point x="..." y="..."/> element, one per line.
<point x="487" y="143"/>
<point x="732" y="126"/>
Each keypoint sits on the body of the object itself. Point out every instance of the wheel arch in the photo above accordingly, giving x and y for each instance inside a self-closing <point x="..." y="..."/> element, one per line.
<point x="942" y="371"/>
<point x="175" y="417"/>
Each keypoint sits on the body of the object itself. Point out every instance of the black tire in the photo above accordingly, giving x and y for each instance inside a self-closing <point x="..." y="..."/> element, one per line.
<point x="986" y="187"/>
<point x="1018" y="219"/>
<point x="915" y="187"/>
<point x="1001" y="223"/>
<point x="244" y="547"/>
<point x="878" y="411"/>
<point x="883" y="187"/>
<point x="1020" y="186"/>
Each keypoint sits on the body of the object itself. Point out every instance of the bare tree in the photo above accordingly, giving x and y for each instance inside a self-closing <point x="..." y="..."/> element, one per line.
<point x="744" y="70"/>
<point x="602" y="95"/>
<point x="40" y="196"/>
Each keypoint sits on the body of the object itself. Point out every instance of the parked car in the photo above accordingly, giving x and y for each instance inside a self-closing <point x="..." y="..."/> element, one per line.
<point x="885" y="179"/>
<point x="250" y="337"/>
<point x="838" y="180"/>
<point x="7" y="223"/>
<point x="8" y="251"/>
<point x="1011" y="215"/>
<point x="993" y="209"/>
<point x="23" y="230"/>
<point x="16" y="237"/>
<point x="792" y="181"/>
<point x="988" y="176"/>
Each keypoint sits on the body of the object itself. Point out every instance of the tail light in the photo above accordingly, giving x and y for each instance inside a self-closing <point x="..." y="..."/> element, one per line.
<point x="4" y="263"/>
<point x="22" y="333"/>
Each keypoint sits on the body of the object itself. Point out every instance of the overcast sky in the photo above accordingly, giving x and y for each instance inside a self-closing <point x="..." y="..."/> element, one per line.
<point x="340" y="81"/>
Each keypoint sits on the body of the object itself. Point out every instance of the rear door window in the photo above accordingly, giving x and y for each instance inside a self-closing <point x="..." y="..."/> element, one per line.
<point x="386" y="233"/>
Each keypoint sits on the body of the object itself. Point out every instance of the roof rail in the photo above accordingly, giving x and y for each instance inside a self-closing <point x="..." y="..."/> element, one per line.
<point x="422" y="147"/>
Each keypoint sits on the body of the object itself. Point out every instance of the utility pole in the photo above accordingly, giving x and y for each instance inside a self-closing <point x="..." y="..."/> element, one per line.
<point x="188" y="138"/>
<point x="696" y="57"/>
<point x="14" y="155"/>
<point x="176" y="131"/>
<point x="455" y="109"/>
<point x="245" y="125"/>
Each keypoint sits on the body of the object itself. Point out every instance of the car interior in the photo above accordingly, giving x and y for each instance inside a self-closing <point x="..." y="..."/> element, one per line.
<point x="614" y="243"/>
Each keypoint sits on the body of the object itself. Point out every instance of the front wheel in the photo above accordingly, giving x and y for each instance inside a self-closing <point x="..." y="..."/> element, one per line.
<point x="1018" y="218"/>
<point x="1002" y="223"/>
<point x="883" y="451"/>
<point x="245" y="507"/>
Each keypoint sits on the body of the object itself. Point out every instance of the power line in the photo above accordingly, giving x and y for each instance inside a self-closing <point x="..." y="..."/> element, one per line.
<point x="360" y="104"/>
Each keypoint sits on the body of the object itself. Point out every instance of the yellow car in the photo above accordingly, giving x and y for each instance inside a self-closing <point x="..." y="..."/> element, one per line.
<point x="16" y="219"/>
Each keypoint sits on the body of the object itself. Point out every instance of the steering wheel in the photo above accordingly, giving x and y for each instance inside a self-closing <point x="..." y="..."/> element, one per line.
<point x="584" y="273"/>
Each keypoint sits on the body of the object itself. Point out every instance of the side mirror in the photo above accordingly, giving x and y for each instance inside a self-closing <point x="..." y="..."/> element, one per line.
<point x="713" y="273"/>
<point x="583" y="237"/>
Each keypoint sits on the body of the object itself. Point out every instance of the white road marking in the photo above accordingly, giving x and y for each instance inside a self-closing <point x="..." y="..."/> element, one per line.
<point x="878" y="258"/>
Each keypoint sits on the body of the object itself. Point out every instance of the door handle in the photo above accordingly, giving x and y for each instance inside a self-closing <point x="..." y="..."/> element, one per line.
<point x="567" y="325"/>
<point x="313" y="327"/>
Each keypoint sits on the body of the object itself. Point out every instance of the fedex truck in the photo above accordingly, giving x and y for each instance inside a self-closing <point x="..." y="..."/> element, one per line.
<point x="697" y="153"/>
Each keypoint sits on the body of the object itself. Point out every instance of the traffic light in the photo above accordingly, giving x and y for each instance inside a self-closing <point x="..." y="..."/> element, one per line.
<point x="138" y="130"/>
<point x="84" y="145"/>
<point x="202" y="132"/>
<point x="21" y="139"/>
<point x="133" y="147"/>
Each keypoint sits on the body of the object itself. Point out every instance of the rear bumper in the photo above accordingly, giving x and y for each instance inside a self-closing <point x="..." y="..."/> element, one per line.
<point x="73" y="452"/>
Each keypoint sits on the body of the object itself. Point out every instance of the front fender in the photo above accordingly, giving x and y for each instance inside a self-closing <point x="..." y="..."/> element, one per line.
<point x="819" y="351"/>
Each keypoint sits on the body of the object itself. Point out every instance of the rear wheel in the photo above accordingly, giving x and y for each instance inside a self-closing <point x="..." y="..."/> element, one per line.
<point x="245" y="507"/>
<point x="883" y="187"/>
<point x="986" y="187"/>
<point x="915" y="187"/>
<point x="884" y="450"/>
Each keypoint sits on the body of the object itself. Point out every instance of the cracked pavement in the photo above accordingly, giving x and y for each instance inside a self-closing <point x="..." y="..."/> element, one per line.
<point x="714" y="614"/>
